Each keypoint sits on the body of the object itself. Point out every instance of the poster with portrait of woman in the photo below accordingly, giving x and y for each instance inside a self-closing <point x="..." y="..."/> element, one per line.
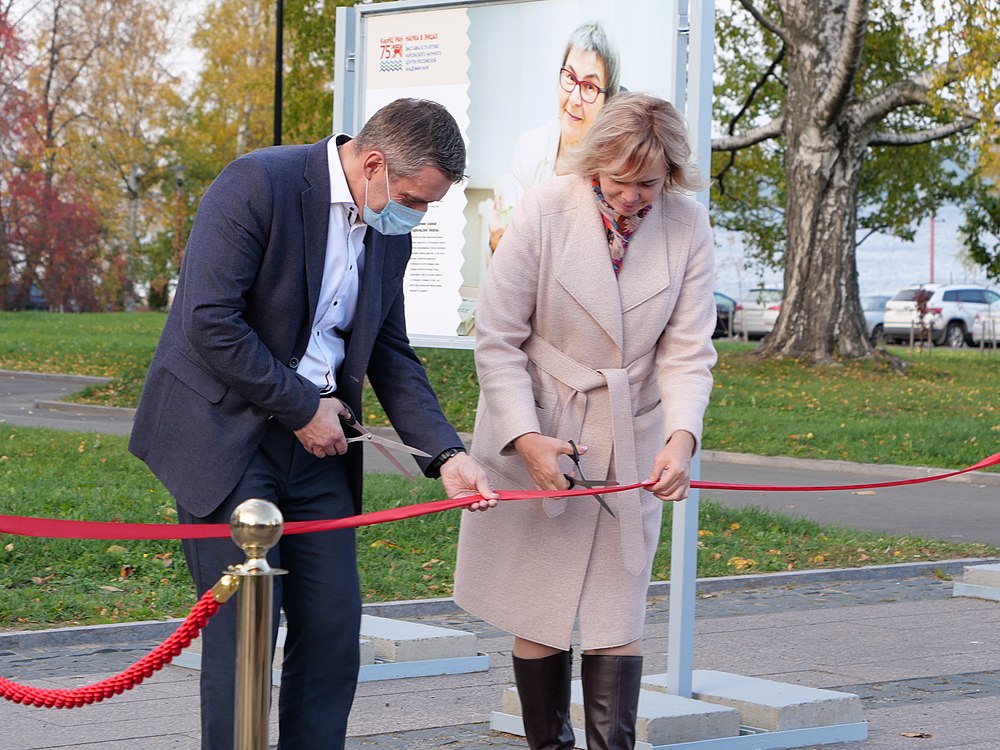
<point x="524" y="80"/>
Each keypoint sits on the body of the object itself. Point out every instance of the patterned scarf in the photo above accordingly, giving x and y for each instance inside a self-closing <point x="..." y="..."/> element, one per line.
<point x="618" y="227"/>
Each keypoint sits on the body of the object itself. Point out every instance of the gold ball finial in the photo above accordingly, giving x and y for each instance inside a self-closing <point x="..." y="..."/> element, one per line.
<point x="256" y="526"/>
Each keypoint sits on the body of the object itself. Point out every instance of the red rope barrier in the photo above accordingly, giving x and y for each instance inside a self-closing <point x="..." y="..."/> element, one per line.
<point x="59" y="529"/>
<point x="155" y="660"/>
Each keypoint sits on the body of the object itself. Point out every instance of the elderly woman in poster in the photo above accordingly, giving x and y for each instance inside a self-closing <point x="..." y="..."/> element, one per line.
<point x="588" y="79"/>
<point x="595" y="326"/>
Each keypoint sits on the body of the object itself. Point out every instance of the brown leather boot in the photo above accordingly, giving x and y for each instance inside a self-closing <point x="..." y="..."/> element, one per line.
<point x="611" y="700"/>
<point x="543" y="687"/>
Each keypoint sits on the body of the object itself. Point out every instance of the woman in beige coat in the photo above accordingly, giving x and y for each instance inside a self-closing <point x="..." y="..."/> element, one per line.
<point x="594" y="326"/>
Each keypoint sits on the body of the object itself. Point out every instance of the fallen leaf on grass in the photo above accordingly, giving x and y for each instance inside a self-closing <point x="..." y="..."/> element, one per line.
<point x="384" y="543"/>
<point x="112" y="589"/>
<point x="917" y="735"/>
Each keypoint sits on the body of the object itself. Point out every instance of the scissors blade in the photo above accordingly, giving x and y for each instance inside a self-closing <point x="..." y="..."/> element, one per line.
<point x="367" y="435"/>
<point x="574" y="482"/>
<point x="605" y="505"/>
<point x="387" y="443"/>
<point x="595" y="483"/>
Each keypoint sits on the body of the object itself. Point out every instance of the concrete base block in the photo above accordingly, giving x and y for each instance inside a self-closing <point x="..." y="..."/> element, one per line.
<point x="749" y="738"/>
<point x="399" y="640"/>
<point x="976" y="592"/>
<point x="769" y="705"/>
<point x="662" y="718"/>
<point x="979" y="582"/>
<point x="982" y="575"/>
<point x="367" y="653"/>
<point x="390" y="649"/>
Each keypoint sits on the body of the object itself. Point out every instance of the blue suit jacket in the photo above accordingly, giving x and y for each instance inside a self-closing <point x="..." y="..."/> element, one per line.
<point x="226" y="361"/>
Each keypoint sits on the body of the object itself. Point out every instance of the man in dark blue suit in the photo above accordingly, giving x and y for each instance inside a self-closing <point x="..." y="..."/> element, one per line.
<point x="290" y="294"/>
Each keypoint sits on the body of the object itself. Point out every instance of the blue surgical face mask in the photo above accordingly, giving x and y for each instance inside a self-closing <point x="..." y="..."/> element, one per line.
<point x="394" y="218"/>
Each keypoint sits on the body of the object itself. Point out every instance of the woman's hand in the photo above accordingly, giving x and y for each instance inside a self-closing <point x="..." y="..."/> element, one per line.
<point x="540" y="454"/>
<point x="671" y="474"/>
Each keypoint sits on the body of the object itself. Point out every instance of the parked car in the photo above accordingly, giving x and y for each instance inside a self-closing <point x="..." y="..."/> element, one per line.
<point x="873" y="306"/>
<point x="10" y="300"/>
<point x="951" y="312"/>
<point x="724" y="308"/>
<point x="985" y="329"/>
<point x="757" y="313"/>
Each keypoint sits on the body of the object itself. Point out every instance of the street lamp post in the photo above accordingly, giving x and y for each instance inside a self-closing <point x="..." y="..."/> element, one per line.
<point x="278" y="71"/>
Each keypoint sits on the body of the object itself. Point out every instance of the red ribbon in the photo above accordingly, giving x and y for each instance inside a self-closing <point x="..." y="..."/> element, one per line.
<point x="59" y="529"/>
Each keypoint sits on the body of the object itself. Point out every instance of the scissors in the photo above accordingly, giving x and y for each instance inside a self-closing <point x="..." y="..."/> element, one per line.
<point x="383" y="444"/>
<point x="584" y="482"/>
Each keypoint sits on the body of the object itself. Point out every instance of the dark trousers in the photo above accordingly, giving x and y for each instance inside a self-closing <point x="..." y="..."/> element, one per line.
<point x="320" y="597"/>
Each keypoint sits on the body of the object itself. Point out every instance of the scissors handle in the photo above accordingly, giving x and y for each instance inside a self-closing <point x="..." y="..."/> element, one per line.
<point x="350" y="420"/>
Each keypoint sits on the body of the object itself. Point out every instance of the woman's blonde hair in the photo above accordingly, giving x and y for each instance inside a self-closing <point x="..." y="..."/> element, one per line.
<point x="632" y="132"/>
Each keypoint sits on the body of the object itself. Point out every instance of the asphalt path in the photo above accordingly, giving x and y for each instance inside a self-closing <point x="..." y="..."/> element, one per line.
<point x="964" y="509"/>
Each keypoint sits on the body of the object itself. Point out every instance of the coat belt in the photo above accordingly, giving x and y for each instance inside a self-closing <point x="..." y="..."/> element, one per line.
<point x="607" y="392"/>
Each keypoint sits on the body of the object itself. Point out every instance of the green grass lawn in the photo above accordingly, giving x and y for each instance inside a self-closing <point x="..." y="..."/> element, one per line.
<point x="77" y="476"/>
<point x="941" y="411"/>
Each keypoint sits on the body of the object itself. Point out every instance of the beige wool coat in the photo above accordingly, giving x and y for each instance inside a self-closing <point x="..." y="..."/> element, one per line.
<point x="565" y="348"/>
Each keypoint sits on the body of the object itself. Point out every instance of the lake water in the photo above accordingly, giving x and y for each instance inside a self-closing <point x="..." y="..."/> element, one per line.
<point x="885" y="264"/>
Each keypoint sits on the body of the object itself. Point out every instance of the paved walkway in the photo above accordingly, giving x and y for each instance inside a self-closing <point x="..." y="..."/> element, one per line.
<point x="921" y="660"/>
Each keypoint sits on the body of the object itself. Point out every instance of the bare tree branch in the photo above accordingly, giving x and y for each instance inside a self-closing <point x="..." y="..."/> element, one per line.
<point x="735" y="142"/>
<point x="921" y="136"/>
<point x="869" y="234"/>
<point x="912" y="90"/>
<point x="721" y="176"/>
<point x="764" y="20"/>
<point x="848" y="60"/>
<point x="756" y="89"/>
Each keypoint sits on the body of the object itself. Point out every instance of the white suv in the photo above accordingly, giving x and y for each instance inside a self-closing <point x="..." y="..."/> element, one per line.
<point x="951" y="311"/>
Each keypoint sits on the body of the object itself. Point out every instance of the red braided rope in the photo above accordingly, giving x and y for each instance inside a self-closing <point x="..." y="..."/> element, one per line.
<point x="155" y="660"/>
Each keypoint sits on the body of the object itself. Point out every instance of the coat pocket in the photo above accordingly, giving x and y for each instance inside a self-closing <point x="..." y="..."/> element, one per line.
<point x="547" y="409"/>
<point x="194" y="376"/>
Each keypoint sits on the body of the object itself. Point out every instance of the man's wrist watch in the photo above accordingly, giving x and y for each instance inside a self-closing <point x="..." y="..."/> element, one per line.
<point x="434" y="469"/>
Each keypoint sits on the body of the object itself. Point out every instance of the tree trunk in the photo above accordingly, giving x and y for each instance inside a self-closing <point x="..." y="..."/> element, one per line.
<point x="821" y="313"/>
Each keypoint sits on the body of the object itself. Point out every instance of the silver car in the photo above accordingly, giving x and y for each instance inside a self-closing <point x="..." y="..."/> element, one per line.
<point x="950" y="311"/>
<point x="985" y="329"/>
<point x="873" y="306"/>
<point x="757" y="313"/>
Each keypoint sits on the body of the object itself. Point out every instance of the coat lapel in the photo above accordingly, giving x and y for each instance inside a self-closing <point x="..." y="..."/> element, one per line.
<point x="585" y="270"/>
<point x="646" y="270"/>
<point x="316" y="218"/>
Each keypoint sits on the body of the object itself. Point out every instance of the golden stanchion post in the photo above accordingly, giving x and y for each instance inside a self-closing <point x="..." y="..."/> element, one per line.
<point x="255" y="526"/>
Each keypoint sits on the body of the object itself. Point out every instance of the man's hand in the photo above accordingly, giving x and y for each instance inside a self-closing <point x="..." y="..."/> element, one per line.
<point x="323" y="435"/>
<point x="671" y="474"/>
<point x="540" y="454"/>
<point x="462" y="475"/>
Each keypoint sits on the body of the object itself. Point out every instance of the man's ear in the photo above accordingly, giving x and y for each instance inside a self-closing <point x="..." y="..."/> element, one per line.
<point x="370" y="163"/>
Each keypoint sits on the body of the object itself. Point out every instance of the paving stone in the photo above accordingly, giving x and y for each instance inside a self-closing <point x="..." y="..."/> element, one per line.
<point x="453" y="712"/>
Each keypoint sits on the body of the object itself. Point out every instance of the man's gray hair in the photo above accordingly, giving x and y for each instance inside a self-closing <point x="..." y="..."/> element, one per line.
<point x="413" y="134"/>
